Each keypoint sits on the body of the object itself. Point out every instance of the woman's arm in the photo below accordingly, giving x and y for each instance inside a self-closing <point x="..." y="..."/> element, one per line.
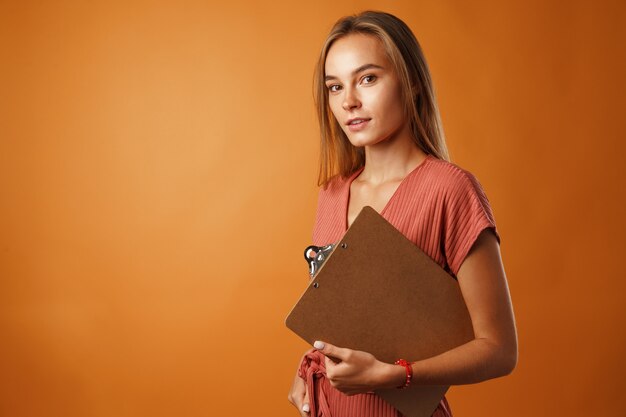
<point x="491" y="354"/>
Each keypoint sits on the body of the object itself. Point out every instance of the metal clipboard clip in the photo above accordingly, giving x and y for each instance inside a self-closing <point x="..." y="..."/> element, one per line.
<point x="316" y="255"/>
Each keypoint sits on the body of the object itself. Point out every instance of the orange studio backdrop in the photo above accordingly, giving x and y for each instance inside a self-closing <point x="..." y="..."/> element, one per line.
<point x="157" y="189"/>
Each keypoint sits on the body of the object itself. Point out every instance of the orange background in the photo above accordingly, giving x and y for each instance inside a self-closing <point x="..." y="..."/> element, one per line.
<point x="157" y="183"/>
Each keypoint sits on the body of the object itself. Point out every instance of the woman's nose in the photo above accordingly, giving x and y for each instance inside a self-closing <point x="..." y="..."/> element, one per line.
<point x="350" y="99"/>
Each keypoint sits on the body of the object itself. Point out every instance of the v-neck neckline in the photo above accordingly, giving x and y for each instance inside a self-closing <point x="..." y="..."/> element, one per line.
<point x="358" y="172"/>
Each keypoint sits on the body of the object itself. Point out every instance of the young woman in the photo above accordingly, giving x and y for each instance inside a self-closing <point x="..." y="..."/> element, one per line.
<point x="382" y="146"/>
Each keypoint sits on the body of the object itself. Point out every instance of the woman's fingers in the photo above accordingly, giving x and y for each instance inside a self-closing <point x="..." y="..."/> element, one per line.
<point x="298" y="396"/>
<point x="350" y="371"/>
<point x="303" y="405"/>
<point x="332" y="351"/>
<point x="306" y="405"/>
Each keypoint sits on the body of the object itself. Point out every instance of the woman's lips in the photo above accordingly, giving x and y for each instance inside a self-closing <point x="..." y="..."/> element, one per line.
<point x="358" y="125"/>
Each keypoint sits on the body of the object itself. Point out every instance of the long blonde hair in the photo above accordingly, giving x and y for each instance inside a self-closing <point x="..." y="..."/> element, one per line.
<point x="337" y="155"/>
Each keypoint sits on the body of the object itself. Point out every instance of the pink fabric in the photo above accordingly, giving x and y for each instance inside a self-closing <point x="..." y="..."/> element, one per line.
<point x="439" y="207"/>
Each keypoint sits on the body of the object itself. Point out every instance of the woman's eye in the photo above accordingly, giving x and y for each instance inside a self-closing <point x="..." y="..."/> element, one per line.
<point x="333" y="88"/>
<point x="369" y="79"/>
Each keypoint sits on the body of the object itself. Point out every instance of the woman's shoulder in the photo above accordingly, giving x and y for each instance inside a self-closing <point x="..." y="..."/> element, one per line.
<point x="448" y="170"/>
<point x="464" y="197"/>
<point x="451" y="177"/>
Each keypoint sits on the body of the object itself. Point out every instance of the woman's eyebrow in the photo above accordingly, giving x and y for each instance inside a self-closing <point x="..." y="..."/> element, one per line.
<point x="356" y="71"/>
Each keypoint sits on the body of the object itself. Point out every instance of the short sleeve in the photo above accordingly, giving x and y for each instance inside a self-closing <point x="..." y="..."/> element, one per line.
<point x="467" y="214"/>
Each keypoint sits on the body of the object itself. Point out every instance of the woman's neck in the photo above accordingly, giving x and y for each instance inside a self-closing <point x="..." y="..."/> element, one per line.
<point x="391" y="160"/>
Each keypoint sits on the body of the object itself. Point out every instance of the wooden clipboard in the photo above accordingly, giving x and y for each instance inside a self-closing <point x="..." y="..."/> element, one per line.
<point x="378" y="292"/>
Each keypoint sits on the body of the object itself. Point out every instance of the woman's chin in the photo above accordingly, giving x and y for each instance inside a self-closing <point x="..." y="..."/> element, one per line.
<point x="361" y="142"/>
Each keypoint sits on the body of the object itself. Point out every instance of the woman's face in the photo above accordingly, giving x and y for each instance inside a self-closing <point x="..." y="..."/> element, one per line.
<point x="364" y="92"/>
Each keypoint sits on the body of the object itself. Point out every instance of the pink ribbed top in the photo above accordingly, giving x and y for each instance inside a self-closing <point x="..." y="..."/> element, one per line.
<point x="438" y="206"/>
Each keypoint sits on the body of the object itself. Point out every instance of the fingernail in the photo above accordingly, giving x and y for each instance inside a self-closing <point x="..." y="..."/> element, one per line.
<point x="318" y="345"/>
<point x="306" y="408"/>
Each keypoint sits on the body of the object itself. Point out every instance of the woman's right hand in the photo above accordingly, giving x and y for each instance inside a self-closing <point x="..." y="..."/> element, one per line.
<point x="298" y="395"/>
